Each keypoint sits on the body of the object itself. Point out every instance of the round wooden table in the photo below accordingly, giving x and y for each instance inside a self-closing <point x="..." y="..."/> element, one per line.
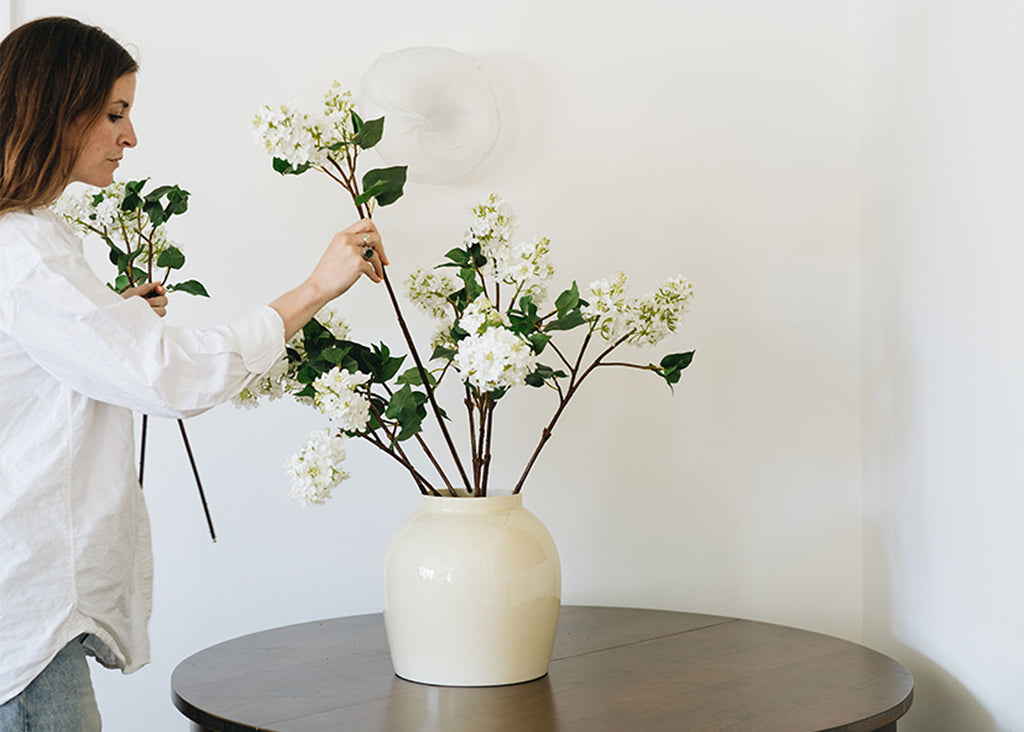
<point x="613" y="669"/>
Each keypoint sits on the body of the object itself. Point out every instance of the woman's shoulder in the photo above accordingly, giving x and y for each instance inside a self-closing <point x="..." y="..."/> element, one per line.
<point x="38" y="226"/>
<point x="30" y="237"/>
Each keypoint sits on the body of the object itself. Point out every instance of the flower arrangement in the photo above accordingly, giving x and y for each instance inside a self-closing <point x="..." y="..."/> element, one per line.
<point x="494" y="332"/>
<point x="132" y="223"/>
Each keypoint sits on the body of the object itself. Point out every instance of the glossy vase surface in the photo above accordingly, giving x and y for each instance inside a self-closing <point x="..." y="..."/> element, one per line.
<point x="472" y="590"/>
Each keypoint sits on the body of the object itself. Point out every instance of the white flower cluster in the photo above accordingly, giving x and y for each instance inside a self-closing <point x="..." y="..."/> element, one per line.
<point x="497" y="358"/>
<point x="331" y="319"/>
<point x="480" y="315"/>
<point x="280" y="378"/>
<point x="98" y="211"/>
<point x="287" y="133"/>
<point x="646" y="319"/>
<point x="526" y="266"/>
<point x="337" y="399"/>
<point x="302" y="139"/>
<point x="315" y="471"/>
<point x="492" y="356"/>
<point x="429" y="290"/>
<point x="494" y="225"/>
<point x="270" y="386"/>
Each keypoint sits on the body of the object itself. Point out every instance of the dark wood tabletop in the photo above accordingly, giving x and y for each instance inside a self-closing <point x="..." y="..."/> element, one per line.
<point x="612" y="669"/>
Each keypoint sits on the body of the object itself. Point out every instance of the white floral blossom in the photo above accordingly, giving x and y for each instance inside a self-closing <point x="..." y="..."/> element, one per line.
<point x="608" y="306"/>
<point x="646" y="319"/>
<point x="527" y="267"/>
<point x="331" y="319"/>
<point x="495" y="222"/>
<point x="304" y="139"/>
<point x="480" y="315"/>
<point x="97" y="211"/>
<point x="337" y="399"/>
<point x="315" y="471"/>
<point x="442" y="337"/>
<point x="429" y="290"/>
<point x="334" y="126"/>
<point x="288" y="134"/>
<point x="272" y="385"/>
<point x="497" y="358"/>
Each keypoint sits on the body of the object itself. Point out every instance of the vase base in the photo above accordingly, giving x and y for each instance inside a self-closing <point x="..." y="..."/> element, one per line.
<point x="470" y="685"/>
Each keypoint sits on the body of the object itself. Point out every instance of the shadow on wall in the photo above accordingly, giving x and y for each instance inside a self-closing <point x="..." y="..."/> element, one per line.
<point x="941" y="702"/>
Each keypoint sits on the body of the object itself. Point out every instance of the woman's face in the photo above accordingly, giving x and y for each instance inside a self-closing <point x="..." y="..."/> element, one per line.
<point x="104" y="144"/>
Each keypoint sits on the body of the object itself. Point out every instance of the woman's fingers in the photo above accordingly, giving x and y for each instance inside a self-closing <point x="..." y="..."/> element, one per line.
<point x="154" y="293"/>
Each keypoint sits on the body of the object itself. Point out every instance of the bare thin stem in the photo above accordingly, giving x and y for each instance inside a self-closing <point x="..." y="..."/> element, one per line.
<point x="573" y="388"/>
<point x="199" y="483"/>
<point x="426" y="383"/>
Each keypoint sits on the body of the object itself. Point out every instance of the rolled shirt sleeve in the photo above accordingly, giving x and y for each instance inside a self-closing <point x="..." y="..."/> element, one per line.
<point x="113" y="349"/>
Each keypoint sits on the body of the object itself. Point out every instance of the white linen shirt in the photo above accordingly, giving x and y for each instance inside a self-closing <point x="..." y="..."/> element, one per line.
<point x="75" y="360"/>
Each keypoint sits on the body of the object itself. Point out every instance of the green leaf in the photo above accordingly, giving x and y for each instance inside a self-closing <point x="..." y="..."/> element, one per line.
<point x="406" y="408"/>
<point x="542" y="373"/>
<point x="539" y="341"/>
<point x="307" y="373"/>
<point x="357" y="122"/>
<point x="440" y="352"/>
<point x="568" y="300"/>
<point x="412" y="377"/>
<point x="375" y="190"/>
<point x="121" y="283"/>
<point x="473" y="288"/>
<point x="192" y="287"/>
<point x="673" y="364"/>
<point x="285" y="168"/>
<point x="334" y="354"/>
<point x="570" y="321"/>
<point x="370" y="133"/>
<point x="171" y="257"/>
<point x="156" y="193"/>
<point x="177" y="201"/>
<point x="155" y="212"/>
<point x="393" y="179"/>
<point x="458" y="256"/>
<point x="118" y="257"/>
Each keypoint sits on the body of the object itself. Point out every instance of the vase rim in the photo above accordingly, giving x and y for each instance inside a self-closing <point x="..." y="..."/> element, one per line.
<point x="463" y="502"/>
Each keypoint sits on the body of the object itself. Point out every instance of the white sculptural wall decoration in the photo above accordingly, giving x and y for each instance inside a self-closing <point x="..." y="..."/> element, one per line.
<point x="442" y="115"/>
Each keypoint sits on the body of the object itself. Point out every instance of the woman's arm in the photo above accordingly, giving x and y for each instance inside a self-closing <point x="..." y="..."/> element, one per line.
<point x="338" y="269"/>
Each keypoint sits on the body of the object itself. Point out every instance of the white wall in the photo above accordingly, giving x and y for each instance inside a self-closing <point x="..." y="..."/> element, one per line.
<point x="944" y="344"/>
<point x="716" y="139"/>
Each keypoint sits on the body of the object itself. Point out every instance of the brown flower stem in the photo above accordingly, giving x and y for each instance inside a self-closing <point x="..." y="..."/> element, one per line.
<point x="421" y="482"/>
<point x="396" y="451"/>
<point x="649" y="367"/>
<point x="487" y="456"/>
<point x="199" y="483"/>
<point x="472" y="438"/>
<point x="426" y="382"/>
<point x="559" y="352"/>
<point x="142" y="448"/>
<point x="425" y="447"/>
<point x="573" y="388"/>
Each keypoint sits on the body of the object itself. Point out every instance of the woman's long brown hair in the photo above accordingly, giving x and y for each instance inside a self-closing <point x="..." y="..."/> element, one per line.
<point x="53" y="72"/>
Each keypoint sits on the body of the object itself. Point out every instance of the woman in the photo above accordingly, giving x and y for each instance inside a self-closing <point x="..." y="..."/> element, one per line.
<point x="75" y="360"/>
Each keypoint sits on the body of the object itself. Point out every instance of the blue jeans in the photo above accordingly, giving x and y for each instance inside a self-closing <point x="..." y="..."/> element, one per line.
<point x="60" y="699"/>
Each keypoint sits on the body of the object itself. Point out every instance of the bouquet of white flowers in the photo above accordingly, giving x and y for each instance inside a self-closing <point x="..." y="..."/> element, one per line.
<point x="132" y="223"/>
<point x="493" y="330"/>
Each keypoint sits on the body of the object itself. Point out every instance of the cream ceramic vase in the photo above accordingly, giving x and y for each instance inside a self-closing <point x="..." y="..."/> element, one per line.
<point x="472" y="590"/>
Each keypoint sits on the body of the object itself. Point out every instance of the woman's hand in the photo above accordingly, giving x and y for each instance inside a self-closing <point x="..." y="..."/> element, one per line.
<point x="153" y="293"/>
<point x="347" y="258"/>
<point x="355" y="252"/>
